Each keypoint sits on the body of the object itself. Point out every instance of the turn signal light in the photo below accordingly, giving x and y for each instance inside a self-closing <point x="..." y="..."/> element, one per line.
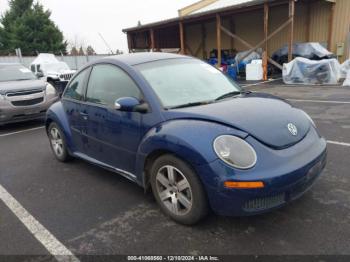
<point x="243" y="185"/>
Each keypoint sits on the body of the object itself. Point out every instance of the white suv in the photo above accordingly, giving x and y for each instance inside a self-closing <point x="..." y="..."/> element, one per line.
<point x="55" y="72"/>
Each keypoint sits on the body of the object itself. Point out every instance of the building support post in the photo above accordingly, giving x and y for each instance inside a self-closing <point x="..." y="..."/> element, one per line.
<point x="254" y="48"/>
<point x="218" y="38"/>
<point x="130" y="47"/>
<point x="204" y="41"/>
<point x="266" y="33"/>
<point x="272" y="34"/>
<point x="291" y="30"/>
<point x="330" y="27"/>
<point x="182" y="39"/>
<point x="152" y="47"/>
<point x="232" y="28"/>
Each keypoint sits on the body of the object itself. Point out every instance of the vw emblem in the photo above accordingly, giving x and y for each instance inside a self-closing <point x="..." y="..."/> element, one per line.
<point x="292" y="129"/>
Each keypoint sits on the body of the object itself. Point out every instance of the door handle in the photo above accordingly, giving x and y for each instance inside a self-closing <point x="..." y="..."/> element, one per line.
<point x="85" y="116"/>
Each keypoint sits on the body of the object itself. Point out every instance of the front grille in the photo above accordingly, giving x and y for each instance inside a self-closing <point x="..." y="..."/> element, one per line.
<point x="66" y="77"/>
<point x="264" y="203"/>
<point x="24" y="93"/>
<point x="30" y="102"/>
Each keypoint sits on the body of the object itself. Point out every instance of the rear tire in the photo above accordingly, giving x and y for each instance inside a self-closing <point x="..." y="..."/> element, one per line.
<point x="178" y="190"/>
<point x="58" y="143"/>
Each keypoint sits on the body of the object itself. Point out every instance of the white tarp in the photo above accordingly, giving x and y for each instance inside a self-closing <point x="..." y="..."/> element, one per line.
<point x="344" y="69"/>
<point x="347" y="80"/>
<point x="45" y="59"/>
<point x="50" y="65"/>
<point x="253" y="56"/>
<point x="312" y="50"/>
<point x="310" y="72"/>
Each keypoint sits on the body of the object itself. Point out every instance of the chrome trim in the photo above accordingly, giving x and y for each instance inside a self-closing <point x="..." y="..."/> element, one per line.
<point x="22" y="96"/>
<point x="65" y="77"/>
<point x="123" y="173"/>
<point x="24" y="92"/>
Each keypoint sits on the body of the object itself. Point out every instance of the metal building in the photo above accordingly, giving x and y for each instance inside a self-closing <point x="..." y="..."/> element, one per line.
<point x="247" y="25"/>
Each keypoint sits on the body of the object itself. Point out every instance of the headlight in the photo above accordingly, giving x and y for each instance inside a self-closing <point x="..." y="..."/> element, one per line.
<point x="50" y="90"/>
<point x="310" y="119"/>
<point x="235" y="151"/>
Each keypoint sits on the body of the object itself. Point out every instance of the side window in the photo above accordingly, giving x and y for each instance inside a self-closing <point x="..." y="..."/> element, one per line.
<point x="32" y="68"/>
<point x="107" y="83"/>
<point x="76" y="88"/>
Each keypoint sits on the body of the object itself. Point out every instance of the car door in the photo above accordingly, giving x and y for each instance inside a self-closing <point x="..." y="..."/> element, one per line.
<point x="113" y="136"/>
<point x="71" y="100"/>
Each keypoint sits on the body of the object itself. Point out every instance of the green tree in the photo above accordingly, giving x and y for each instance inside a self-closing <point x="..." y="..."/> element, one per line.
<point x="28" y="26"/>
<point x="81" y="51"/>
<point x="74" y="51"/>
<point x="90" y="50"/>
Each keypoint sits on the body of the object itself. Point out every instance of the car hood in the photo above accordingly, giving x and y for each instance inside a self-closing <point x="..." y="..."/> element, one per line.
<point x="264" y="117"/>
<point x="59" y="72"/>
<point x="25" y="85"/>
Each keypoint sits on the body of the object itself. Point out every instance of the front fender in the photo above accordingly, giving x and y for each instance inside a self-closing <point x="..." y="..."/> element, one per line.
<point x="52" y="76"/>
<point x="57" y="114"/>
<point x="189" y="139"/>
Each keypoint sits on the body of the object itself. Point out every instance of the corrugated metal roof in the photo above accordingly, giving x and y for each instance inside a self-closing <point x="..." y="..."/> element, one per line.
<point x="221" y="4"/>
<point x="235" y="4"/>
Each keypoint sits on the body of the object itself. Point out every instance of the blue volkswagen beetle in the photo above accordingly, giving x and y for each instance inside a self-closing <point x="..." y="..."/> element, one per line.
<point x="178" y="126"/>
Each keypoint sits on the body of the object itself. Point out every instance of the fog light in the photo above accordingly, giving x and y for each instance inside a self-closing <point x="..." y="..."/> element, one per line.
<point x="244" y="185"/>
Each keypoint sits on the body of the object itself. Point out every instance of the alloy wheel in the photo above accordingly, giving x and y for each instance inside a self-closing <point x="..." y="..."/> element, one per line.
<point x="56" y="142"/>
<point x="174" y="190"/>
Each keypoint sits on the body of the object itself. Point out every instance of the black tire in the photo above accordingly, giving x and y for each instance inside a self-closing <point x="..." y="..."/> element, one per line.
<point x="64" y="155"/>
<point x="194" y="192"/>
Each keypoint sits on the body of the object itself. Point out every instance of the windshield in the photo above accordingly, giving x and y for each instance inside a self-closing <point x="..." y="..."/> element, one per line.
<point x="15" y="73"/>
<point x="186" y="81"/>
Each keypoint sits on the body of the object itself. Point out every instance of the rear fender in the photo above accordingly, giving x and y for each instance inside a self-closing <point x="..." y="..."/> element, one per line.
<point x="57" y="114"/>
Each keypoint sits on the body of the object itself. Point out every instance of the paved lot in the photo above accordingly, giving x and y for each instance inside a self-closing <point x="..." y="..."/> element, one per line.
<point x="91" y="211"/>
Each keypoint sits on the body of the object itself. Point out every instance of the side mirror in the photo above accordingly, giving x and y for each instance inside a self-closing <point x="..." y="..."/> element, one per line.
<point x="130" y="104"/>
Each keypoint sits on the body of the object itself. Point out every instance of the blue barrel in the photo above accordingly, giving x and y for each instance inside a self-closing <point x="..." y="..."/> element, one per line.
<point x="232" y="72"/>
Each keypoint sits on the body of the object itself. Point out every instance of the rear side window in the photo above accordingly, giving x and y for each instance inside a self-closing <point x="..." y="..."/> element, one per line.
<point x="76" y="88"/>
<point x="107" y="83"/>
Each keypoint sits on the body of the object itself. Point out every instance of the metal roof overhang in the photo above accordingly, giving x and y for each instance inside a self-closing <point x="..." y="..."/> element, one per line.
<point x="244" y="7"/>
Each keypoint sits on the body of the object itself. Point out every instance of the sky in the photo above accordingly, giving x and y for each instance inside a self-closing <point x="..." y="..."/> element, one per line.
<point x="81" y="21"/>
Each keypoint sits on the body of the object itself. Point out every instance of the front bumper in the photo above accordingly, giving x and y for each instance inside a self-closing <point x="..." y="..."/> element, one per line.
<point x="14" y="114"/>
<point x="287" y="175"/>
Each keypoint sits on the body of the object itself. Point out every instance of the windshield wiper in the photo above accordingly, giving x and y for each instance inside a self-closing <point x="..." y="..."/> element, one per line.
<point x="232" y="94"/>
<point x="190" y="105"/>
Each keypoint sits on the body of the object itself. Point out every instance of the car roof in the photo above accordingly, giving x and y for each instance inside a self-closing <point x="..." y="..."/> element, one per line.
<point x="140" y="58"/>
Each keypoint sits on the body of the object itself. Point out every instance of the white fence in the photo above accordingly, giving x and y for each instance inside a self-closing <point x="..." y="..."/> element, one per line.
<point x="74" y="62"/>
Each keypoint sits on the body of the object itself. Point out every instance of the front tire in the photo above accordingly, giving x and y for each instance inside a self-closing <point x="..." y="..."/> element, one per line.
<point x="178" y="190"/>
<point x="58" y="143"/>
